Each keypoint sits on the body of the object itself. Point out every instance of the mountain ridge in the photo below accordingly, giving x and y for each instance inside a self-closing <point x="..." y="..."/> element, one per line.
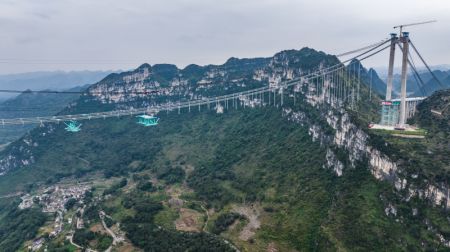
<point x="55" y="80"/>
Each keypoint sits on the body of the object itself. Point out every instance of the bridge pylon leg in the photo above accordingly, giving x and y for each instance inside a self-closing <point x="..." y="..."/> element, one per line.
<point x="391" y="67"/>
<point x="405" y="40"/>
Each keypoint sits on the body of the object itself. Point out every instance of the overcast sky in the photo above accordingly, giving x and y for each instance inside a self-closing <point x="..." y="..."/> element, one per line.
<point x="105" y="34"/>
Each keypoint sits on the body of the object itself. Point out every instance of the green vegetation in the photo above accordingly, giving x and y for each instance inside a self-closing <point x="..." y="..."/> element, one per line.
<point x="247" y="158"/>
<point x="115" y="187"/>
<point x="70" y="203"/>
<point x="85" y="237"/>
<point x="109" y="222"/>
<point x="384" y="132"/>
<point x="18" y="225"/>
<point x="104" y="241"/>
<point x="166" y="218"/>
<point x="251" y="155"/>
<point x="224" y="221"/>
<point x="172" y="175"/>
<point x="144" y="233"/>
<point x="146" y="186"/>
<point x="61" y="247"/>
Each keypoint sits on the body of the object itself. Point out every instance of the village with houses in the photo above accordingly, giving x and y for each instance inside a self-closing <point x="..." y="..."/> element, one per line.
<point x="65" y="205"/>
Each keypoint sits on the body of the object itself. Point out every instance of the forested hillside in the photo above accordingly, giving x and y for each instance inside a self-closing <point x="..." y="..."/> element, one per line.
<point x="293" y="177"/>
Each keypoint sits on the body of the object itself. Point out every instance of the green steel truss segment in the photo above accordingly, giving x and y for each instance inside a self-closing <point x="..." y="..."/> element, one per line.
<point x="148" y="120"/>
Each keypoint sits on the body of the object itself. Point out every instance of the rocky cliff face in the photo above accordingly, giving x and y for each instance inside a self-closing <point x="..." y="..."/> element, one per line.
<point x="356" y="142"/>
<point x="167" y="81"/>
<point x="349" y="145"/>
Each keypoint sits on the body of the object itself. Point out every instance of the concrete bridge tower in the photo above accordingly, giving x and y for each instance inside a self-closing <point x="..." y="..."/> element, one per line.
<point x="404" y="39"/>
<point x="391" y="67"/>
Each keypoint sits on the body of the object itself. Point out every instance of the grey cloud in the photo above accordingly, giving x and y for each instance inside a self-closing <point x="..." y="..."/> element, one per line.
<point x="205" y="31"/>
<point x="26" y="40"/>
<point x="42" y="15"/>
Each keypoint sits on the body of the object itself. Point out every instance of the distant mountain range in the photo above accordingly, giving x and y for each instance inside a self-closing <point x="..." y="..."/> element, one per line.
<point x="39" y="104"/>
<point x="56" y="80"/>
<point x="382" y="71"/>
<point x="441" y="72"/>
<point x="31" y="105"/>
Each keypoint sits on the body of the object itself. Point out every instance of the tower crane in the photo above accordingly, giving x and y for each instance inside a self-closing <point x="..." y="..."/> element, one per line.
<point x="412" y="24"/>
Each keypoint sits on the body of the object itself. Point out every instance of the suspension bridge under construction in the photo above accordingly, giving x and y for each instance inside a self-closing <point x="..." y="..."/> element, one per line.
<point x="336" y="85"/>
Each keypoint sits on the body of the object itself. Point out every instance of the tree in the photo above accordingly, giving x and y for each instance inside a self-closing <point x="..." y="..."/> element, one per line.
<point x="70" y="203"/>
<point x="123" y="183"/>
<point x="146" y="186"/>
